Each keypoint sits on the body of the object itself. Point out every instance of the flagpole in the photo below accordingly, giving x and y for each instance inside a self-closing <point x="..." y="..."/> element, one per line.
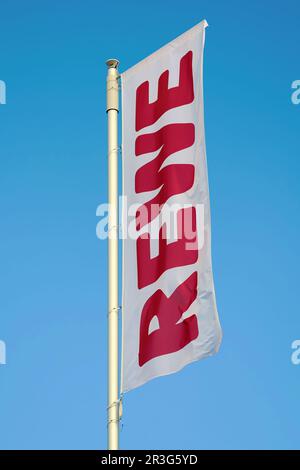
<point x="112" y="109"/>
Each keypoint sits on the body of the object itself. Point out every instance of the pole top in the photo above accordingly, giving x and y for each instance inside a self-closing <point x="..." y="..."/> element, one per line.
<point x="112" y="63"/>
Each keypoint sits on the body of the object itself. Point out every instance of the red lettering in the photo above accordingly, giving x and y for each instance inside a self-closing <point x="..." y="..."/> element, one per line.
<point x="168" y="98"/>
<point x="172" y="335"/>
<point x="171" y="179"/>
<point x="170" y="255"/>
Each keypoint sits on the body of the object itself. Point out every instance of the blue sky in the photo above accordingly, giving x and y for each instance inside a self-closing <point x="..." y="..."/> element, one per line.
<point x="53" y="268"/>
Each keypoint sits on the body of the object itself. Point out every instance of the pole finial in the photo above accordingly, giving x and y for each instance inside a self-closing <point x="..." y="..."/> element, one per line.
<point x="112" y="63"/>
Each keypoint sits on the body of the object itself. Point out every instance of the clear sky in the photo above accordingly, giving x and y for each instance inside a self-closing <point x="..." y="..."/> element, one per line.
<point x="53" y="268"/>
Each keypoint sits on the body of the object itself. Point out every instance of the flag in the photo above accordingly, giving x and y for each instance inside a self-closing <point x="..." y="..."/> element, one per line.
<point x="170" y="317"/>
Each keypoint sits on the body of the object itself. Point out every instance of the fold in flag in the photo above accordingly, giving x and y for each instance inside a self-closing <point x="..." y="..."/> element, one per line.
<point x="169" y="309"/>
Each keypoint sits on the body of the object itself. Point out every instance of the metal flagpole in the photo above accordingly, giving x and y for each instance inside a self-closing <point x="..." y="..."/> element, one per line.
<point x="113" y="301"/>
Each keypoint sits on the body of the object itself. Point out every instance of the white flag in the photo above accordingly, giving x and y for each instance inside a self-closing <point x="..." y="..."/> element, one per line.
<point x="169" y="309"/>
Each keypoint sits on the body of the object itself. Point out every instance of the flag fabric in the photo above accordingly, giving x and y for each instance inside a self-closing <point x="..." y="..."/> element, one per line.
<point x="169" y="309"/>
